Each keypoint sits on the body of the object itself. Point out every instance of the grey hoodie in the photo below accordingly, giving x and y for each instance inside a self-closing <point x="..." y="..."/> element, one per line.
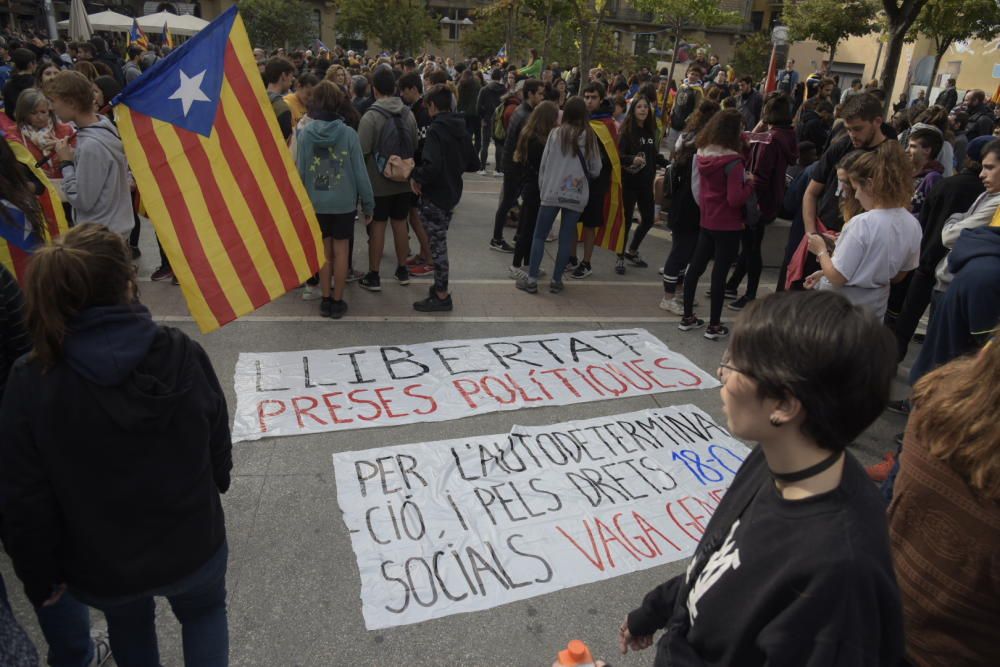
<point x="369" y="131"/>
<point x="561" y="179"/>
<point x="979" y="214"/>
<point x="96" y="184"/>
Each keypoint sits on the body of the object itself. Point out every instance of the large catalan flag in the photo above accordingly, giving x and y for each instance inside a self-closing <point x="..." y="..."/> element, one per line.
<point x="216" y="178"/>
<point x="611" y="234"/>
<point x="16" y="241"/>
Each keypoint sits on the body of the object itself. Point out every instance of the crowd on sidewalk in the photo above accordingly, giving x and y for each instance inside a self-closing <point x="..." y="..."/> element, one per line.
<point x="890" y="216"/>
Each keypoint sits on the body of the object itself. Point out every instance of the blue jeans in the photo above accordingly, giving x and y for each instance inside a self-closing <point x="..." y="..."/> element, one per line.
<point x="199" y="603"/>
<point x="567" y="239"/>
<point x="66" y="627"/>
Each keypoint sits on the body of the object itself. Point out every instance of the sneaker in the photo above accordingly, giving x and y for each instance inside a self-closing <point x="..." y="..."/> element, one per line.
<point x="726" y="294"/>
<point x="420" y="269"/>
<point x="571" y="264"/>
<point x="415" y="260"/>
<point x="354" y="276"/>
<point x="136" y="253"/>
<point x="898" y="439"/>
<point x="497" y="173"/>
<point x="636" y="260"/>
<point x="899" y="407"/>
<point x="482" y="172"/>
<point x="310" y="293"/>
<point x="162" y="273"/>
<point x="371" y="282"/>
<point x="620" y="266"/>
<point x="689" y="323"/>
<point x="582" y="270"/>
<point x="516" y="272"/>
<point x="338" y="309"/>
<point x="326" y="307"/>
<point x="740" y="303"/>
<point x="402" y="275"/>
<point x="527" y="284"/>
<point x="672" y="304"/>
<point x="501" y="246"/>
<point x="556" y="287"/>
<point x="550" y="238"/>
<point x="541" y="272"/>
<point x="174" y="281"/>
<point x="313" y="280"/>
<point x="716" y="331"/>
<point x="880" y="471"/>
<point x="433" y="304"/>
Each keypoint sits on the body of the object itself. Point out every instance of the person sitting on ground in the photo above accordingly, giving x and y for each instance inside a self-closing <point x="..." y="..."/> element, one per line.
<point x="800" y="538"/>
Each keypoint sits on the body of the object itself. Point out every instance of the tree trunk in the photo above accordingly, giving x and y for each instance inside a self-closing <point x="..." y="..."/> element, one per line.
<point x="833" y="54"/>
<point x="893" y="53"/>
<point x="584" y="55"/>
<point x="938" y="55"/>
<point x="673" y="57"/>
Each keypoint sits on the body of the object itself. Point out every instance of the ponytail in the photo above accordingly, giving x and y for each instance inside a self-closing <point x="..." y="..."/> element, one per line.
<point x="88" y="266"/>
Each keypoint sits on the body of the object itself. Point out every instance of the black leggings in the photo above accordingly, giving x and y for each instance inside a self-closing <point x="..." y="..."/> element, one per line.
<point x="642" y="196"/>
<point x="750" y="262"/>
<point x="531" y="200"/>
<point x="722" y="248"/>
<point x="681" y="251"/>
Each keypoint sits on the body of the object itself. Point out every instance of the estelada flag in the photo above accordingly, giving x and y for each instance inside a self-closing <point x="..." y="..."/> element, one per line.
<point x="17" y="241"/>
<point x="611" y="234"/>
<point x="216" y="177"/>
<point x="136" y="36"/>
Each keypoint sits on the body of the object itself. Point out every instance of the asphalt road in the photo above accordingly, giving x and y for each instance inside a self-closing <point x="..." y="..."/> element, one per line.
<point x="293" y="582"/>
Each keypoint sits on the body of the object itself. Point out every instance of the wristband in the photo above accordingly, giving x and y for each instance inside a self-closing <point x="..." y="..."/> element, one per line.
<point x="821" y="254"/>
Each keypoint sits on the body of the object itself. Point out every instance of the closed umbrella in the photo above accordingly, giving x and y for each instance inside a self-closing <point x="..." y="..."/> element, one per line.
<point x="79" y="23"/>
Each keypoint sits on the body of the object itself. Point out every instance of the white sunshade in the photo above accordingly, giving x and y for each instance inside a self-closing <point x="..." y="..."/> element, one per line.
<point x="183" y="24"/>
<point x="107" y="21"/>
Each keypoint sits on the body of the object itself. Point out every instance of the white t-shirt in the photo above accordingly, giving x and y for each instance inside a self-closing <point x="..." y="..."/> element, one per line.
<point x="873" y="248"/>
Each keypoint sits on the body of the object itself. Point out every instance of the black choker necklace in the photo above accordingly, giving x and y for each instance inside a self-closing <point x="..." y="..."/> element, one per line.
<point x="807" y="472"/>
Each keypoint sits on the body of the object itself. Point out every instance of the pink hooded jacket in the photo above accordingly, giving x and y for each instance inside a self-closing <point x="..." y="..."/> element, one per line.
<point x="721" y="196"/>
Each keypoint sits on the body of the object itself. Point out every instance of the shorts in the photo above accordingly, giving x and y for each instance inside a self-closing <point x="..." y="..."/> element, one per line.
<point x="392" y="207"/>
<point x="593" y="215"/>
<point x="339" y="226"/>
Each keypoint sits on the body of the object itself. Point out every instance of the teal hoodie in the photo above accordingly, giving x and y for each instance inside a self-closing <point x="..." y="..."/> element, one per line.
<point x="332" y="167"/>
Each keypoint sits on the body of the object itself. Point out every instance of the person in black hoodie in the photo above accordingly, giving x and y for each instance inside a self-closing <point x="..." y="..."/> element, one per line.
<point x="447" y="153"/>
<point x="486" y="104"/>
<point x="815" y="122"/>
<point x="640" y="159"/>
<point x="794" y="567"/>
<point x="116" y="447"/>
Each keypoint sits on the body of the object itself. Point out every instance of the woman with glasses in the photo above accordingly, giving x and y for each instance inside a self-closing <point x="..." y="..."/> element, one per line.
<point x="794" y="567"/>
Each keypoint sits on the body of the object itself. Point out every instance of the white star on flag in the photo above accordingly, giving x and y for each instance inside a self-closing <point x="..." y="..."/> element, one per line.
<point x="190" y="91"/>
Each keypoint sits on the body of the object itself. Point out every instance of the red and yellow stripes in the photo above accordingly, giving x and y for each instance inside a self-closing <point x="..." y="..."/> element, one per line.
<point x="230" y="209"/>
<point x="611" y="234"/>
<point x="15" y="259"/>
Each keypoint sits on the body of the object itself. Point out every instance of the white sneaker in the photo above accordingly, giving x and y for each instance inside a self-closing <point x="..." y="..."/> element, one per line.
<point x="482" y="172"/>
<point x="102" y="648"/>
<point x="515" y="272"/>
<point x="310" y="293"/>
<point x="672" y="305"/>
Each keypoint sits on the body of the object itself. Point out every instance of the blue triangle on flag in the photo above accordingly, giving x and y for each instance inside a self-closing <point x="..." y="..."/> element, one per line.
<point x="184" y="88"/>
<point x="15" y="230"/>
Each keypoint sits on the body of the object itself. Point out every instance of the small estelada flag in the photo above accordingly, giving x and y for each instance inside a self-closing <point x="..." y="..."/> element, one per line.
<point x="216" y="178"/>
<point x="137" y="36"/>
<point x="165" y="37"/>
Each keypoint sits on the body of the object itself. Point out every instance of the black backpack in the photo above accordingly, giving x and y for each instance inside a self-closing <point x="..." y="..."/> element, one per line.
<point x="684" y="105"/>
<point x="394" y="141"/>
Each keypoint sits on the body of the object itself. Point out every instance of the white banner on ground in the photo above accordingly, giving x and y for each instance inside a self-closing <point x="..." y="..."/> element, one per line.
<point x="291" y="393"/>
<point x="442" y="528"/>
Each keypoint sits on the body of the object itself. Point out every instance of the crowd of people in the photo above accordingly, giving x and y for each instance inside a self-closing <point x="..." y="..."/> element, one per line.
<point x="889" y="216"/>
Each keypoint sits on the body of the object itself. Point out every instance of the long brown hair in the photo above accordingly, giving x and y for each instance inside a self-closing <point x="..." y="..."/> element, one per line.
<point x="888" y="173"/>
<point x="576" y="122"/>
<point x="955" y="416"/>
<point x="87" y="266"/>
<point x="723" y="130"/>
<point x="542" y="120"/>
<point x="631" y="125"/>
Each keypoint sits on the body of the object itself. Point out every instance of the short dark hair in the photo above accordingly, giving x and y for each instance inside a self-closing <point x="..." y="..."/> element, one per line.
<point x="438" y="76"/>
<point x="135" y="51"/>
<point x="100" y="46"/>
<point x="696" y="68"/>
<point x="865" y="106"/>
<point x="308" y="79"/>
<point x="836" y="358"/>
<point x="532" y="86"/>
<point x="440" y="96"/>
<point x="276" y="67"/>
<point x="411" y="80"/>
<point x="410" y="63"/>
<point x="594" y="87"/>
<point x="496" y="74"/>
<point x="778" y="111"/>
<point x="747" y="80"/>
<point x="992" y="148"/>
<point x="977" y="95"/>
<point x="23" y="59"/>
<point x="927" y="138"/>
<point x="383" y="81"/>
<point x="360" y="85"/>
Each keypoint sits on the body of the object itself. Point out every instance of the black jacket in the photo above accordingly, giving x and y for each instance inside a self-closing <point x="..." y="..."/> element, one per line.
<point x="489" y="99"/>
<point x="630" y="145"/>
<point x="778" y="582"/>
<point x="13" y="336"/>
<point x="812" y="128"/>
<point x="951" y="195"/>
<point x="981" y="123"/>
<point x="112" y="460"/>
<point x="16" y="84"/>
<point x="517" y="121"/>
<point x="447" y="154"/>
<point x="947" y="98"/>
<point x="114" y="63"/>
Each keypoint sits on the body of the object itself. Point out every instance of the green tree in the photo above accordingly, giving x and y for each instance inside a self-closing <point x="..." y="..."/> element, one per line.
<point x="752" y="55"/>
<point x="945" y="22"/>
<point x="272" y="23"/>
<point x="681" y="15"/>
<point x="397" y="25"/>
<point x="589" y="18"/>
<point x="899" y="16"/>
<point x="829" y="22"/>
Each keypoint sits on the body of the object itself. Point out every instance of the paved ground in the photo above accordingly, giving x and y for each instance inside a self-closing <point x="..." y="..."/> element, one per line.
<point x="293" y="583"/>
